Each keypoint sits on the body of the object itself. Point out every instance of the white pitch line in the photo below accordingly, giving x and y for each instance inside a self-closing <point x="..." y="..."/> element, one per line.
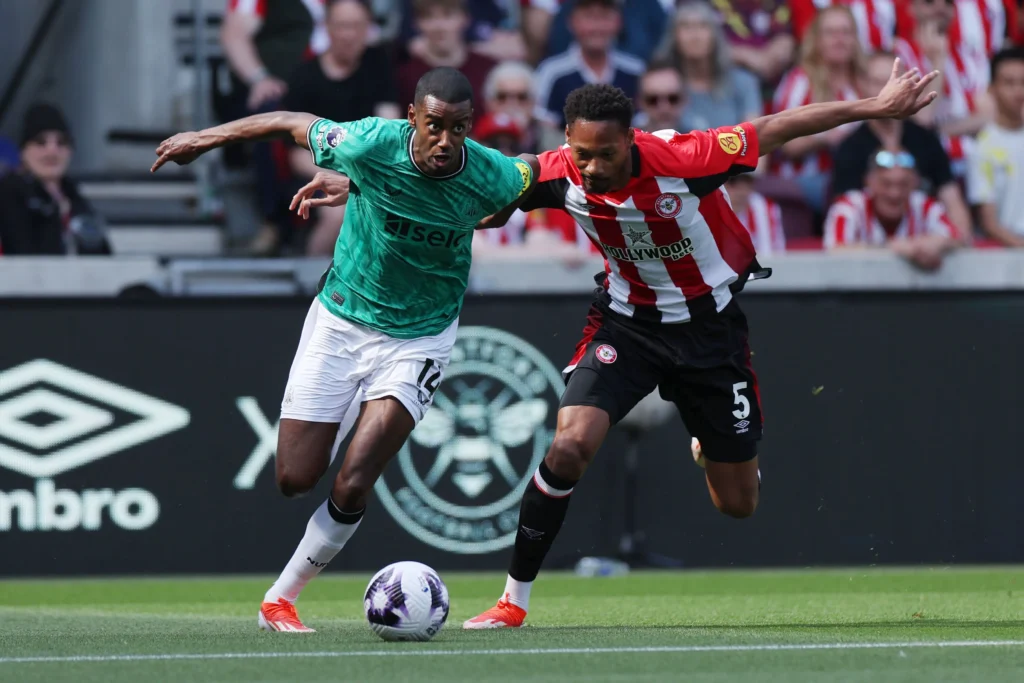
<point x="531" y="651"/>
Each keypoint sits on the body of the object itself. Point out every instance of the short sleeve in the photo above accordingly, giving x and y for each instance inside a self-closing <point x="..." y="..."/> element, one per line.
<point x="509" y="177"/>
<point x="937" y="222"/>
<point x="340" y="146"/>
<point x="980" y="188"/>
<point x="707" y="158"/>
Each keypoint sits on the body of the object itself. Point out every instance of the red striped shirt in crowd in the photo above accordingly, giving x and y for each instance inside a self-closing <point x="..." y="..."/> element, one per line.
<point x="876" y="20"/>
<point x="795" y="91"/>
<point x="851" y="221"/>
<point x="673" y="247"/>
<point x="763" y="220"/>
<point x="959" y="93"/>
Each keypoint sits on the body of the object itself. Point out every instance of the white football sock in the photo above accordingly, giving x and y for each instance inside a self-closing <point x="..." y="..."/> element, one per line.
<point x="324" y="538"/>
<point x="518" y="592"/>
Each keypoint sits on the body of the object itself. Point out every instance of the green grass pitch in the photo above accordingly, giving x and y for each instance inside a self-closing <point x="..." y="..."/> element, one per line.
<point x="871" y="625"/>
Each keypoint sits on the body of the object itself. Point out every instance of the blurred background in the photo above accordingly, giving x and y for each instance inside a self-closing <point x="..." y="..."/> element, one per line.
<point x="148" y="321"/>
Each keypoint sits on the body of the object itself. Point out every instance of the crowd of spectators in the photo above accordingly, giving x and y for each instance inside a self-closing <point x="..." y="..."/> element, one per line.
<point x="949" y="178"/>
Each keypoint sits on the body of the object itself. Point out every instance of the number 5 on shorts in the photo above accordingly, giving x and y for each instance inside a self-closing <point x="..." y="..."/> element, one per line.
<point x="742" y="402"/>
<point x="430" y="383"/>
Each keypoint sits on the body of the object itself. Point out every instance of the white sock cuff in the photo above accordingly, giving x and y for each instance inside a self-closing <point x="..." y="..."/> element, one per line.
<point x="547" y="489"/>
<point x="331" y="532"/>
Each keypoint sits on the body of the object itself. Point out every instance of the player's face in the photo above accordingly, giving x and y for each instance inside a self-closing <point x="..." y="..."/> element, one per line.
<point x="1008" y="89"/>
<point x="47" y="155"/>
<point x="441" y="130"/>
<point x="890" y="190"/>
<point x="600" y="150"/>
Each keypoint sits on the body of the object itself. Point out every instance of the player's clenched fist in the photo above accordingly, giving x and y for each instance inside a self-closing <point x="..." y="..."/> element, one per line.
<point x="334" y="186"/>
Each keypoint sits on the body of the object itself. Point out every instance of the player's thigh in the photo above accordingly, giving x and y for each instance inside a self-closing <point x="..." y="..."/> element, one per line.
<point x="720" y="406"/>
<point x="322" y="386"/>
<point x="610" y="371"/>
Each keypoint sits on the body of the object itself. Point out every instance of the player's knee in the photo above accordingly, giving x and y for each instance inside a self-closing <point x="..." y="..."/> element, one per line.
<point x="738" y="503"/>
<point x="568" y="457"/>
<point x="294" y="483"/>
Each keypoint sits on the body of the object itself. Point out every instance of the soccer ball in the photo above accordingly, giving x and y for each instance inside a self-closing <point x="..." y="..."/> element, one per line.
<point x="406" y="601"/>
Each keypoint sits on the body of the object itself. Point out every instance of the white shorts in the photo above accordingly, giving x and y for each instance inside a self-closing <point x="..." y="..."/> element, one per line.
<point x="340" y="364"/>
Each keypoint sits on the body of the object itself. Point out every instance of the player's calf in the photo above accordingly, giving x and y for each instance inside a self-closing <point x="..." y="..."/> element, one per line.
<point x="734" y="486"/>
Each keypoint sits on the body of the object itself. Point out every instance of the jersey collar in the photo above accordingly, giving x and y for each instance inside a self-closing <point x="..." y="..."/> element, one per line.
<point x="412" y="159"/>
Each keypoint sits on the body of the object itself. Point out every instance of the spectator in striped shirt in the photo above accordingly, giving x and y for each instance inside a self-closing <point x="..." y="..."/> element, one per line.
<point x="831" y="61"/>
<point x="892" y="213"/>
<point x="876" y="19"/>
<point x="718" y="93"/>
<point x="760" y="216"/>
<point x="963" y="107"/>
<point x="591" y="59"/>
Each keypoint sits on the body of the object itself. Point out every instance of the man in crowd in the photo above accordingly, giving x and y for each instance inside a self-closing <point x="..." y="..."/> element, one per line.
<point x="891" y="213"/>
<point x="854" y="153"/>
<point x="661" y="98"/>
<point x="591" y="59"/>
<point x="347" y="82"/>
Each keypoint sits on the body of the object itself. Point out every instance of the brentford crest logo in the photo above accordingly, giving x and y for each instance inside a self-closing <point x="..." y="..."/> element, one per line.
<point x="606" y="354"/>
<point x="668" y="205"/>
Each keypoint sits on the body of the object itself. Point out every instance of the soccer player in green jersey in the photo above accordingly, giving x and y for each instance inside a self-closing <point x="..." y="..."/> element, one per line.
<point x="385" y="318"/>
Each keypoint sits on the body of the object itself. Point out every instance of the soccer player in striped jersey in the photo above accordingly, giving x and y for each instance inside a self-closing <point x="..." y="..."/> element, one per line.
<point x="664" y="315"/>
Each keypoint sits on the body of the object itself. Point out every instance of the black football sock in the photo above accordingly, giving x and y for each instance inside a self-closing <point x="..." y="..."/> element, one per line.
<point x="541" y="514"/>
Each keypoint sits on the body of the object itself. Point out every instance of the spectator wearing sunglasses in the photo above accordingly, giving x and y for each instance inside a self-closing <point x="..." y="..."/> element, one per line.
<point x="718" y="93"/>
<point x="509" y="91"/>
<point x="892" y="213"/>
<point x="854" y="153"/>
<point x="661" y="98"/>
<point x="996" y="179"/>
<point x="41" y="210"/>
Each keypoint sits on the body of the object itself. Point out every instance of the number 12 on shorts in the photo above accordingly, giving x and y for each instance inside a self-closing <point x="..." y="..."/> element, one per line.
<point x="428" y="381"/>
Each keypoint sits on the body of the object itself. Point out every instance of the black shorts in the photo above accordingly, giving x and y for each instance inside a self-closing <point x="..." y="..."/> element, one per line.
<point x="702" y="366"/>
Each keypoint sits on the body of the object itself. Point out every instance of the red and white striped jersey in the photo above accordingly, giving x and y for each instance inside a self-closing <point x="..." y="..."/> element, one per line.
<point x="876" y="20"/>
<point x="959" y="92"/>
<point x="851" y="220"/>
<point x="763" y="220"/>
<point x="978" y="31"/>
<point x="795" y="91"/>
<point x="672" y="245"/>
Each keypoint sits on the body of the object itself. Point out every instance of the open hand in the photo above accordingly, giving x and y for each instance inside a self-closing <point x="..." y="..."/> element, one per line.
<point x="904" y="95"/>
<point x="333" y="185"/>
<point x="183" y="148"/>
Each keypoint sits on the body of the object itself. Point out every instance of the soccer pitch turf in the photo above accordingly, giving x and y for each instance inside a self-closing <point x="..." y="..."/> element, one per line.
<point x="944" y="624"/>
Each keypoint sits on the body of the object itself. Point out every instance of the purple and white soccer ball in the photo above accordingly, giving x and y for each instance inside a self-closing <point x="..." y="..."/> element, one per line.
<point x="406" y="601"/>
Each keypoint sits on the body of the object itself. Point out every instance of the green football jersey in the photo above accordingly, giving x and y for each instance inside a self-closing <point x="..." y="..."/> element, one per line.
<point x="401" y="263"/>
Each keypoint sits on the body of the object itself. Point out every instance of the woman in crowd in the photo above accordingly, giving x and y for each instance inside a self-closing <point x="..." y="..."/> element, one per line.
<point x="830" y="62"/>
<point x="718" y="93"/>
<point x="42" y="209"/>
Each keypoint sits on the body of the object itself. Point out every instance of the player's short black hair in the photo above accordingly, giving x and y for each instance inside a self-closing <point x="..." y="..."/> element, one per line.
<point x="599" y="102"/>
<point x="1009" y="54"/>
<point x="446" y="84"/>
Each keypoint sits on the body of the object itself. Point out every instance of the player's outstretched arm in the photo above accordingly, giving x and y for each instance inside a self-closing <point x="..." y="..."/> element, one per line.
<point x="184" y="148"/>
<point x="903" y="96"/>
<point x="499" y="219"/>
